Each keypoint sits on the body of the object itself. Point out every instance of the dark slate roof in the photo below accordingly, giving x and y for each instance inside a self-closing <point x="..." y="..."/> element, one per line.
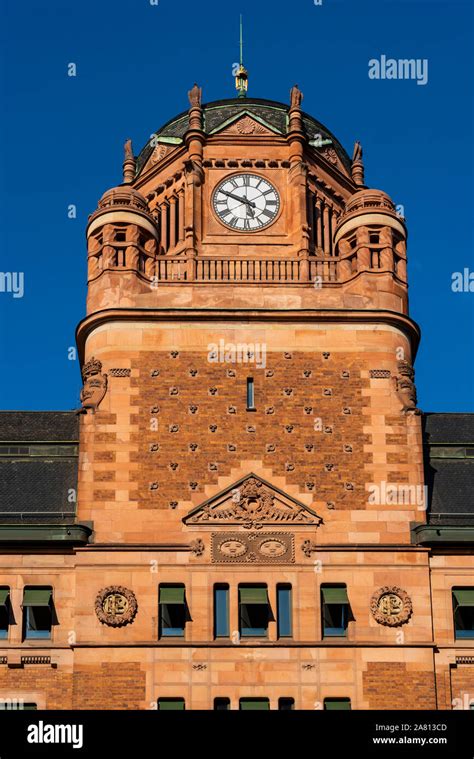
<point x="449" y="428"/>
<point x="37" y="483"/>
<point x="450" y="479"/>
<point x="220" y="111"/>
<point x="38" y="426"/>
<point x="31" y="485"/>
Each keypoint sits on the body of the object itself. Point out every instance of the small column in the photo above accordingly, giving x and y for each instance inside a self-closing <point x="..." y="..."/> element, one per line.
<point x="363" y="249"/>
<point x="234" y="612"/>
<point x="320" y="206"/>
<point x="386" y="254"/>
<point x="181" y="215"/>
<point x="173" y="241"/>
<point x="327" y="230"/>
<point x="129" y="164"/>
<point x="273" y="625"/>
<point x="164" y="226"/>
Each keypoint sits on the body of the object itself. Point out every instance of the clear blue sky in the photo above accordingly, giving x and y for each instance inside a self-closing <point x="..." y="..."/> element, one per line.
<point x="62" y="138"/>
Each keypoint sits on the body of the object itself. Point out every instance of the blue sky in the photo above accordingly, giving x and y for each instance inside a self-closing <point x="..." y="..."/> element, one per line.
<point x="61" y="144"/>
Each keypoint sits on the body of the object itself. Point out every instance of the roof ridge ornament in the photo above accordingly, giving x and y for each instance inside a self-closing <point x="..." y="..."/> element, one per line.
<point x="241" y="77"/>
<point x="296" y="97"/>
<point x="129" y="165"/>
<point x="357" y="167"/>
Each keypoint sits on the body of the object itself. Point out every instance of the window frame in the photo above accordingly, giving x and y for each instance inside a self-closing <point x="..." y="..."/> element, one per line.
<point x="29" y="633"/>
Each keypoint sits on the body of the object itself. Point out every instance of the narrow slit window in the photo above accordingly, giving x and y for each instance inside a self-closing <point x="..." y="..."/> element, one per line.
<point x="284" y="611"/>
<point x="221" y="611"/>
<point x="250" y="393"/>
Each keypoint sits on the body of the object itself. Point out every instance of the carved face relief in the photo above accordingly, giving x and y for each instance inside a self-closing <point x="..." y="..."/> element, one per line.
<point x="95" y="385"/>
<point x="116" y="606"/>
<point x="391" y="606"/>
<point x="253" y="547"/>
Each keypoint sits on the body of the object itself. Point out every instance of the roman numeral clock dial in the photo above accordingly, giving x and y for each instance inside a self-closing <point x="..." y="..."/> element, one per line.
<point x="246" y="202"/>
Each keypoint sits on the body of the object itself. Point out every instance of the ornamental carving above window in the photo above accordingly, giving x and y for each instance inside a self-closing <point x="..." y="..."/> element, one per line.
<point x="252" y="503"/>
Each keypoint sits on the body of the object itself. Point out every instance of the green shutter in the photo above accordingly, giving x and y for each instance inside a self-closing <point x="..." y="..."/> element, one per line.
<point x="4" y="593"/>
<point x="248" y="703"/>
<point x="335" y="595"/>
<point x="37" y="597"/>
<point x="253" y="595"/>
<point x="464" y="597"/>
<point x="337" y="703"/>
<point x="176" y="704"/>
<point x="172" y="595"/>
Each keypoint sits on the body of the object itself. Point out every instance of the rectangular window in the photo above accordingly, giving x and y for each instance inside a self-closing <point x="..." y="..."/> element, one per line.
<point x="4" y="612"/>
<point x="337" y="703"/>
<point x="335" y="610"/>
<point x="250" y="394"/>
<point x="171" y="704"/>
<point x="254" y="611"/>
<point x="246" y="704"/>
<point x="173" y="610"/>
<point x="463" y="609"/>
<point x="37" y="613"/>
<point x="221" y="611"/>
<point x="286" y="704"/>
<point x="221" y="704"/>
<point x="284" y="611"/>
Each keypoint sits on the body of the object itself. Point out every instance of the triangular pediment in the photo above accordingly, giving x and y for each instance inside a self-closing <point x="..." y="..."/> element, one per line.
<point x="246" y="123"/>
<point x="252" y="502"/>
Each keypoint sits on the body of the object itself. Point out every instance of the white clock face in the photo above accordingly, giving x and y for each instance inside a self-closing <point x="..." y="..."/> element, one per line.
<point x="246" y="202"/>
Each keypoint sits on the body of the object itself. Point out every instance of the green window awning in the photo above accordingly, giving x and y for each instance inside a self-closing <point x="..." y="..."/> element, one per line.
<point x="464" y="596"/>
<point x="337" y="703"/>
<point x="253" y="595"/>
<point x="4" y="593"/>
<point x="172" y="595"/>
<point x="335" y="595"/>
<point x="37" y="597"/>
<point x="171" y="704"/>
<point x="248" y="703"/>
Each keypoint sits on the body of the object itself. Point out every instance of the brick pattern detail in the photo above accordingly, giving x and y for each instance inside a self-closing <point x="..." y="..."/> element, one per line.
<point x="462" y="683"/>
<point x="289" y="428"/>
<point x="392" y="686"/>
<point x="108" y="686"/>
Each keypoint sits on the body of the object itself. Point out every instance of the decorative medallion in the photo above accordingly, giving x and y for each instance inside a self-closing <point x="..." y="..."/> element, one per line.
<point x="391" y="606"/>
<point x="159" y="153"/>
<point x="253" y="548"/>
<point x="247" y="125"/>
<point x="116" y="606"/>
<point x="252" y="503"/>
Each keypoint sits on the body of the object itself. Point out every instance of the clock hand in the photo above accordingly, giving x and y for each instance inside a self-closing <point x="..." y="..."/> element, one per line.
<point x="239" y="197"/>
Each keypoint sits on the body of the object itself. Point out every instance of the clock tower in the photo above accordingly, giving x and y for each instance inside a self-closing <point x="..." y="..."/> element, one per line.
<point x="251" y="455"/>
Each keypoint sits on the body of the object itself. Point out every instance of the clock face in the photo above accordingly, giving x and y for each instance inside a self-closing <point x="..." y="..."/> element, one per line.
<point x="246" y="202"/>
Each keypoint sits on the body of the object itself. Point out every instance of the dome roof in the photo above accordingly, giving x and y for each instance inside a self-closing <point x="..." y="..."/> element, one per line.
<point x="123" y="195"/>
<point x="217" y="113"/>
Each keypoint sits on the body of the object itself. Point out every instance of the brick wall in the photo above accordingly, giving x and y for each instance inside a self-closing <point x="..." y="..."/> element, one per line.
<point x="393" y="686"/>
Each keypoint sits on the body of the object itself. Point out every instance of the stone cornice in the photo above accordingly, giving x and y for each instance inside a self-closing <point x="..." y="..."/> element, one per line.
<point x="243" y="315"/>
